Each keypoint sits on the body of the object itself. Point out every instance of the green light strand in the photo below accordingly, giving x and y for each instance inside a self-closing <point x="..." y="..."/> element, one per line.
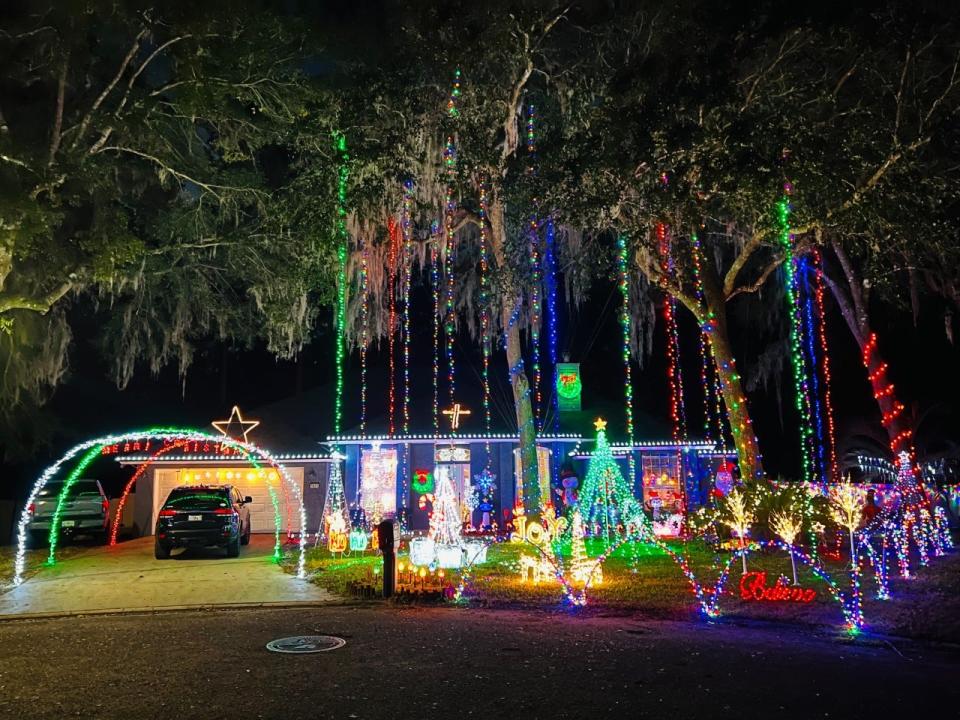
<point x="342" y="238"/>
<point x="92" y="454"/>
<point x="801" y="385"/>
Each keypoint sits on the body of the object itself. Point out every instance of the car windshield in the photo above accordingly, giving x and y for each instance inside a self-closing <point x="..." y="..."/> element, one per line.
<point x="196" y="499"/>
<point x="81" y="487"/>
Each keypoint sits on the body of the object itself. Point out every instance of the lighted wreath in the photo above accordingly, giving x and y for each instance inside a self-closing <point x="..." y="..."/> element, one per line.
<point x="422" y="482"/>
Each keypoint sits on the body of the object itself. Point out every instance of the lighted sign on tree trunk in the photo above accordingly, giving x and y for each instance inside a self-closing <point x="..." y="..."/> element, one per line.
<point x="569" y="386"/>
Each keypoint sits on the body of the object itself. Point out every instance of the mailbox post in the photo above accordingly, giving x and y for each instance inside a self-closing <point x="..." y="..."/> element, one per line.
<point x="389" y="549"/>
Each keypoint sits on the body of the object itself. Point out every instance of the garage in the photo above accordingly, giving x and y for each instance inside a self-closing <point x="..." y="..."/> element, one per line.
<point x="309" y="475"/>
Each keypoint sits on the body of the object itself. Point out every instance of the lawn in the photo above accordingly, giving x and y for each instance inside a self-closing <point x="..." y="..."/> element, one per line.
<point x="643" y="580"/>
<point x="36" y="557"/>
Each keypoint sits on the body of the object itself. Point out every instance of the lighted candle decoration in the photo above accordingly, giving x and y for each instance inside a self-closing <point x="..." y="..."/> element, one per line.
<point x="787" y="525"/>
<point x="846" y="508"/>
<point x="738" y="517"/>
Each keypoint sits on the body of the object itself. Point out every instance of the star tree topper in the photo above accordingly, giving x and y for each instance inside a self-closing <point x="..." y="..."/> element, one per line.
<point x="600" y="424"/>
<point x="235" y="426"/>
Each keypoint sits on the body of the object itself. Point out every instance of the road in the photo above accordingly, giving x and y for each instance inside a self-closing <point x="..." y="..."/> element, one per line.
<point x="453" y="662"/>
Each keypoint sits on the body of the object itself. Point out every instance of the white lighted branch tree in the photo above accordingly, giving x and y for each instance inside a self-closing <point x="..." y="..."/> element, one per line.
<point x="737" y="514"/>
<point x="787" y="525"/>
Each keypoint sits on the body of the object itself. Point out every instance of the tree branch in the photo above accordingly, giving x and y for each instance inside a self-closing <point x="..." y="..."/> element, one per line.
<point x="106" y="91"/>
<point x="42" y="305"/>
<point x="143" y="65"/>
<point x="55" y="136"/>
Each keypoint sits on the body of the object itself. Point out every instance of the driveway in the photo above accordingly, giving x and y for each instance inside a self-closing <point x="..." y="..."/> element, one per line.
<point x="127" y="577"/>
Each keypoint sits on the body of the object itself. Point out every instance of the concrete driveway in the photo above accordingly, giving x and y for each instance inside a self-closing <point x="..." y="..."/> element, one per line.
<point x="127" y="577"/>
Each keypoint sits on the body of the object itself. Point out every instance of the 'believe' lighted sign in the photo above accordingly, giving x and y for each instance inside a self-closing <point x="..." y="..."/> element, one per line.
<point x="753" y="586"/>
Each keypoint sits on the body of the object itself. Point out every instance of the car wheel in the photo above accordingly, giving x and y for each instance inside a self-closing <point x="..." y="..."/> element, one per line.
<point x="245" y="538"/>
<point x="160" y="552"/>
<point x="233" y="547"/>
<point x="37" y="539"/>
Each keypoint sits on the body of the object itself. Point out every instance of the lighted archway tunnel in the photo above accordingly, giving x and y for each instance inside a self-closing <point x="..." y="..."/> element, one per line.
<point x="78" y="458"/>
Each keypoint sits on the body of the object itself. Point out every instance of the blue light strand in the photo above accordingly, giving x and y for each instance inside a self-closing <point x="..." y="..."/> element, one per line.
<point x="810" y="337"/>
<point x="550" y="259"/>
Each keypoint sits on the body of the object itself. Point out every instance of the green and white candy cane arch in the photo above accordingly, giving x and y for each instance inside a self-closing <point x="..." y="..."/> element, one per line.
<point x="92" y="448"/>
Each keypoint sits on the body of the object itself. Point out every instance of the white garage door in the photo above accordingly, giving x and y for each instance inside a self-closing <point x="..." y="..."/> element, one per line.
<point x="255" y="483"/>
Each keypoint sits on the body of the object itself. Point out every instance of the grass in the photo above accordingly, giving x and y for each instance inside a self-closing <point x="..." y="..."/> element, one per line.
<point x="641" y="579"/>
<point x="35" y="560"/>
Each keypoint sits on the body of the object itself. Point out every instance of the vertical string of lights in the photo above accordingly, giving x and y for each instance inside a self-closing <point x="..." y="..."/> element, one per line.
<point x="802" y="389"/>
<point x="833" y="471"/>
<point x="450" y="316"/>
<point x="395" y="237"/>
<point x="623" y="283"/>
<point x="810" y="337"/>
<point x="364" y="329"/>
<point x="407" y="282"/>
<point x="485" y="337"/>
<point x="677" y="407"/>
<point x="435" y="289"/>
<point x="342" y="238"/>
<point x="708" y="382"/>
<point x="550" y="259"/>
<point x="536" y="276"/>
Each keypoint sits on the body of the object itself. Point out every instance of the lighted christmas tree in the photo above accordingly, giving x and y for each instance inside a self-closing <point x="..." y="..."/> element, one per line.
<point x="606" y="500"/>
<point x="335" y="503"/>
<point x="581" y="566"/>
<point x="445" y="522"/>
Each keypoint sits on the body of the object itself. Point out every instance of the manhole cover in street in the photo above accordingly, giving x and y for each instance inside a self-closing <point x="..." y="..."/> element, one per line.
<point x="302" y="644"/>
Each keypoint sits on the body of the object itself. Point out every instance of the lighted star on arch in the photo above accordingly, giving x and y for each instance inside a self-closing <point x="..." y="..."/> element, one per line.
<point x="229" y="428"/>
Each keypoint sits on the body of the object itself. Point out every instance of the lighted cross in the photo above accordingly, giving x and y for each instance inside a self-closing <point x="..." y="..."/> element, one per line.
<point x="455" y="412"/>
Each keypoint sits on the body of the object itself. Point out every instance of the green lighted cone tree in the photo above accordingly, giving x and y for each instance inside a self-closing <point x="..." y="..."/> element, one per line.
<point x="607" y="503"/>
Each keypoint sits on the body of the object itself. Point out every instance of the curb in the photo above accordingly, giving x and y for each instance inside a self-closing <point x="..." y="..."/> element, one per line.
<point x="157" y="609"/>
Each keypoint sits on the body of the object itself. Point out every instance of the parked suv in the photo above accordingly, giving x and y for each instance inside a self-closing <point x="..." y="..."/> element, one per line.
<point x="203" y="516"/>
<point x="86" y="511"/>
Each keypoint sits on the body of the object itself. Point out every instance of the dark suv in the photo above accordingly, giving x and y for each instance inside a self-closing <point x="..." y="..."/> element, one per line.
<point x="203" y="516"/>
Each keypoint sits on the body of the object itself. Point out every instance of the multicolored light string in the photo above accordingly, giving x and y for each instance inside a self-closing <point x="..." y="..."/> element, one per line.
<point x="435" y="288"/>
<point x="342" y="239"/>
<point x="364" y="330"/>
<point x="833" y="469"/>
<point x="677" y="407"/>
<point x="407" y="282"/>
<point x="395" y="248"/>
<point x="450" y="311"/>
<point x="708" y="381"/>
<point x="801" y="384"/>
<point x="485" y="333"/>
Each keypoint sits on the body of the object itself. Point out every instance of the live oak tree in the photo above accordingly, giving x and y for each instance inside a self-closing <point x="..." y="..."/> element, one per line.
<point x="736" y="115"/>
<point x="149" y="164"/>
<point x="402" y="121"/>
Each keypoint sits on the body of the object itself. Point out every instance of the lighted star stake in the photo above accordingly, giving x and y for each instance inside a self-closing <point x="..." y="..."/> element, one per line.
<point x="228" y="427"/>
<point x="455" y="412"/>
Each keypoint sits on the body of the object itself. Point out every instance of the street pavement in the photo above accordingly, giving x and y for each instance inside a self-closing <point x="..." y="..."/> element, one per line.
<point x="128" y="577"/>
<point x="458" y="662"/>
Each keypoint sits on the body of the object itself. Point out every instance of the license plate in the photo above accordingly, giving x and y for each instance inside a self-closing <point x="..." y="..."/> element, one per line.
<point x="69" y="523"/>
<point x="194" y="518"/>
